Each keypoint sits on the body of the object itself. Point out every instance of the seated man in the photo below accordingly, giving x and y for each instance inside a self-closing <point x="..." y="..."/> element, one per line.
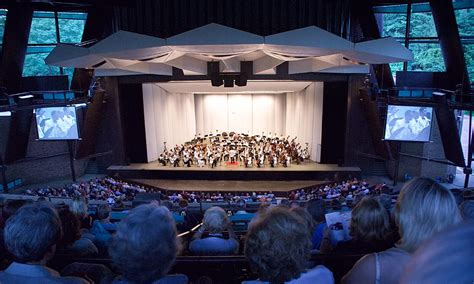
<point x="31" y="236"/>
<point x="145" y="246"/>
<point x="215" y="222"/>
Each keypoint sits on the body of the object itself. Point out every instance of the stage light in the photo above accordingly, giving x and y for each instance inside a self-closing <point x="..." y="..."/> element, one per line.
<point x="241" y="80"/>
<point x="216" y="81"/>
<point x="228" y="82"/>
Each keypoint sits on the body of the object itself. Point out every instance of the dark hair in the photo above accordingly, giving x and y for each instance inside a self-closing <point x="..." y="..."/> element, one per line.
<point x="278" y="245"/>
<point x="317" y="209"/>
<point x="32" y="231"/>
<point x="11" y="206"/>
<point x="103" y="211"/>
<point x="71" y="227"/>
<point x="145" y="244"/>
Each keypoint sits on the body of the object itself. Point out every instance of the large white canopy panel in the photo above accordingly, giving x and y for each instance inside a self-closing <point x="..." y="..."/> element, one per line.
<point x="309" y="49"/>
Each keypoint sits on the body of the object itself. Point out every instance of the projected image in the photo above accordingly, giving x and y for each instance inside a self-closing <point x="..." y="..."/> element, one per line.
<point x="408" y="123"/>
<point x="56" y="123"/>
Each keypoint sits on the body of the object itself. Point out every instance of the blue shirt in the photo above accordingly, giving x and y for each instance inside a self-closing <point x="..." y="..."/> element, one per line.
<point x="317" y="237"/>
<point x="215" y="244"/>
<point x="29" y="273"/>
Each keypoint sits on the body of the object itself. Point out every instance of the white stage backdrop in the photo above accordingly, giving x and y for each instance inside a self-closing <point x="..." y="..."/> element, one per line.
<point x="176" y="118"/>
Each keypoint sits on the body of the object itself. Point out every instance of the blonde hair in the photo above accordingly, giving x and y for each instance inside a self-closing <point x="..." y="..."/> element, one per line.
<point x="423" y="209"/>
<point x="369" y="221"/>
<point x="215" y="220"/>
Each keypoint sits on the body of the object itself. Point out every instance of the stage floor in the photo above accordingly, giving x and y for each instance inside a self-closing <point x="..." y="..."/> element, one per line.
<point x="306" y="171"/>
<point x="228" y="185"/>
<point x="307" y="166"/>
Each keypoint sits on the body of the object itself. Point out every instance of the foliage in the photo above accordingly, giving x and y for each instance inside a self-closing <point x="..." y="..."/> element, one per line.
<point x="43" y="31"/>
<point x="3" y="18"/>
<point x="394" y="25"/>
<point x="71" y="30"/>
<point x="465" y="20"/>
<point x="34" y="66"/>
<point x="427" y="55"/>
<point x="422" y="25"/>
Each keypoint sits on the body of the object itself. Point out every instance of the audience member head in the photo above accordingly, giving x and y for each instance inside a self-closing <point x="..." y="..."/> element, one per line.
<point x="11" y="207"/>
<point x="183" y="203"/>
<point x="278" y="245"/>
<point x="467" y="209"/>
<point x="369" y="221"/>
<point x="317" y="209"/>
<point x="145" y="244"/>
<point x="103" y="211"/>
<point x="305" y="216"/>
<point x="215" y="220"/>
<point x="78" y="206"/>
<point x="71" y="227"/>
<point x="446" y="258"/>
<point x="32" y="233"/>
<point x="168" y="204"/>
<point x="423" y="209"/>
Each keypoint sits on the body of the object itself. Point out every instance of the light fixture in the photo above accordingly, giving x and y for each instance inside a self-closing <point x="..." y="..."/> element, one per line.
<point x="216" y="81"/>
<point x="228" y="82"/>
<point x="241" y="80"/>
<point x="26" y="96"/>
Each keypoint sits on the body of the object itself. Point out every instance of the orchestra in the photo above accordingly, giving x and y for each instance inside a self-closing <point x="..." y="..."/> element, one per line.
<point x="236" y="149"/>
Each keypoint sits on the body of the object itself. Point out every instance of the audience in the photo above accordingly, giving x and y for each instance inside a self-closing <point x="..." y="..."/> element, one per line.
<point x="278" y="242"/>
<point x="369" y="229"/>
<point x="143" y="252"/>
<point x="31" y="235"/>
<point x="423" y="209"/>
<point x="215" y="222"/>
<point x="278" y="248"/>
<point x="446" y="258"/>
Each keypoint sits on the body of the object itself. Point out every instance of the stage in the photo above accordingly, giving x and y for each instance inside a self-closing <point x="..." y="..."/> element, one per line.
<point x="308" y="171"/>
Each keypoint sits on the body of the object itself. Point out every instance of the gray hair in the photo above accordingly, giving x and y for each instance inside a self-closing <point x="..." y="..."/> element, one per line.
<point x="78" y="206"/>
<point x="215" y="220"/>
<point x="145" y="244"/>
<point x="423" y="209"/>
<point x="32" y="232"/>
<point x="278" y="245"/>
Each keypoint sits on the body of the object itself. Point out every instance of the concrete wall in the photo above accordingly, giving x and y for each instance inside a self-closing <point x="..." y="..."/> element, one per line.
<point x="45" y="160"/>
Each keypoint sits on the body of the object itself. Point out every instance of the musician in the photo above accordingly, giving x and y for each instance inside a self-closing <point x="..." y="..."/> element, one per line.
<point x="232" y="154"/>
<point x="163" y="158"/>
<point x="187" y="159"/>
<point x="261" y="160"/>
<point x="174" y="159"/>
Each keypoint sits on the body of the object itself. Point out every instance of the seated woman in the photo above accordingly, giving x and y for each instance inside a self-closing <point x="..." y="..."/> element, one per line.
<point x="215" y="222"/>
<point x="423" y="209"/>
<point x="369" y="229"/>
<point x="278" y="248"/>
<point x="73" y="242"/>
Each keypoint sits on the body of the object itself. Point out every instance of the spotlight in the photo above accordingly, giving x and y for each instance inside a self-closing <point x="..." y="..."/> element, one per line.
<point x="228" y="82"/>
<point x="241" y="80"/>
<point x="216" y="81"/>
